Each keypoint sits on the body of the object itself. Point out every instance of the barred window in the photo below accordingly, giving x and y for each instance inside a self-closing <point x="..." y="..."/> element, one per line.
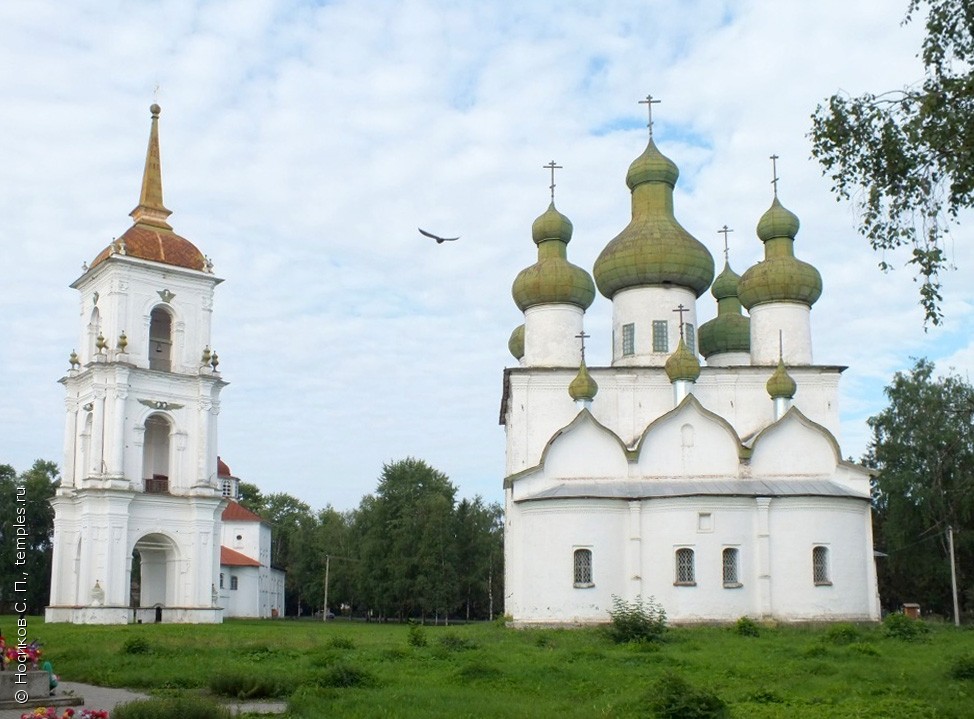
<point x="730" y="567"/>
<point x="661" y="342"/>
<point x="689" y="337"/>
<point x="221" y="580"/>
<point x="820" y="565"/>
<point x="233" y="583"/>
<point x="684" y="566"/>
<point x="227" y="487"/>
<point x="628" y="339"/>
<point x="583" y="567"/>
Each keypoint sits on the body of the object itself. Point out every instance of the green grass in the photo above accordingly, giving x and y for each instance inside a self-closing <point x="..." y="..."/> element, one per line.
<point x="373" y="670"/>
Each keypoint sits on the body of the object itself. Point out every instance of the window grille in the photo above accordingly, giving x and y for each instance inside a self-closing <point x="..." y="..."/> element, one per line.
<point x="583" y="567"/>
<point x="628" y="339"/>
<point x="684" y="566"/>
<point x="660" y="340"/>
<point x="820" y="565"/>
<point x="689" y="337"/>
<point x="731" y="576"/>
<point x="233" y="583"/>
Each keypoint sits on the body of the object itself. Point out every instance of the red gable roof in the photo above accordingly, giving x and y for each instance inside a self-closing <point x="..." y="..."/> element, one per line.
<point x="236" y="512"/>
<point x="233" y="558"/>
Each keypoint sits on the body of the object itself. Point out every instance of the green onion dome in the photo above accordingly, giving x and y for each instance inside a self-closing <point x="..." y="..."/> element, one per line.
<point x="516" y="343"/>
<point x="780" y="277"/>
<point x="653" y="249"/>
<point x="552" y="279"/>
<point x="682" y="364"/>
<point x="729" y="331"/>
<point x="781" y="385"/>
<point x="583" y="386"/>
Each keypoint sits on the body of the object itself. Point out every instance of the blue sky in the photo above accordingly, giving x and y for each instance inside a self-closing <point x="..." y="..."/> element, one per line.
<point x="303" y="144"/>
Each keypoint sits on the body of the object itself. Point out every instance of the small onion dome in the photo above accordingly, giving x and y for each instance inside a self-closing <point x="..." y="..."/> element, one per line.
<point x="729" y="331"/>
<point x="781" y="385"/>
<point x="516" y="343"/>
<point x="583" y="386"/>
<point x="780" y="277"/>
<point x="552" y="279"/>
<point x="653" y="249"/>
<point x="682" y="364"/>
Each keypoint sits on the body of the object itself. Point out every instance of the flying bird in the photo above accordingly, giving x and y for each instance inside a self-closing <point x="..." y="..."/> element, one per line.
<point x="439" y="240"/>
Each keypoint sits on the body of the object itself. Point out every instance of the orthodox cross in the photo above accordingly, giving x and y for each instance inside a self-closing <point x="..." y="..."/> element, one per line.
<point x="552" y="166"/>
<point x="725" y="230"/>
<point x="774" y="172"/>
<point x="649" y="102"/>
<point x="582" y="336"/>
<point x="681" y="309"/>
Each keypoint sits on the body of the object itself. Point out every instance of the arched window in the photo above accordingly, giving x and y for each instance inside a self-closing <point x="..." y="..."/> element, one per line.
<point x="820" y="566"/>
<point x="684" y="567"/>
<point x="583" y="568"/>
<point x="731" y="571"/>
<point x="155" y="455"/>
<point x="94" y="327"/>
<point x="160" y="340"/>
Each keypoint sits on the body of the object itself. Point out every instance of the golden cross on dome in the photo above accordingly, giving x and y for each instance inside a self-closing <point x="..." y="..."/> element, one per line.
<point x="649" y="102"/>
<point x="681" y="309"/>
<point x="725" y="230"/>
<point x="552" y="166"/>
<point x="774" y="172"/>
<point x="582" y="336"/>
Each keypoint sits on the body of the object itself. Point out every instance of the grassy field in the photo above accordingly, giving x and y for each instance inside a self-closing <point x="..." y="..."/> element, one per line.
<point x="369" y="670"/>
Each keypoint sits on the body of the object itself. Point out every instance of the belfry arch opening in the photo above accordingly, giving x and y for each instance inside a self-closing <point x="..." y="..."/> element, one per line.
<point x="160" y="340"/>
<point x="152" y="582"/>
<point x="155" y="454"/>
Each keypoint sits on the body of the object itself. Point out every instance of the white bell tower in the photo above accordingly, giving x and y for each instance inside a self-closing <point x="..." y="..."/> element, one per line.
<point x="137" y="516"/>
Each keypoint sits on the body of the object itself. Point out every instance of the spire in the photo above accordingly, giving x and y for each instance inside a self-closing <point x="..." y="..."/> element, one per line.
<point x="150" y="210"/>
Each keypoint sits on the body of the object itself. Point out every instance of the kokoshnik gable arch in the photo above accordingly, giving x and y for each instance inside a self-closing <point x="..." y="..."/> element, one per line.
<point x="718" y="489"/>
<point x="137" y="514"/>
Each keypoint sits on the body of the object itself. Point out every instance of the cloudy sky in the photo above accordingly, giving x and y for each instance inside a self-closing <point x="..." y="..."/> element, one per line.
<point x="303" y="143"/>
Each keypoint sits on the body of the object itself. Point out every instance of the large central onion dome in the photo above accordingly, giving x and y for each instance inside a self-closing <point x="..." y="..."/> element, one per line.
<point x="780" y="277"/>
<point x="552" y="279"/>
<point x="653" y="249"/>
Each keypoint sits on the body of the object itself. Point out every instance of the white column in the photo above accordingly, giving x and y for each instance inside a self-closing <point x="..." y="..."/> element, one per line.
<point x="763" y="557"/>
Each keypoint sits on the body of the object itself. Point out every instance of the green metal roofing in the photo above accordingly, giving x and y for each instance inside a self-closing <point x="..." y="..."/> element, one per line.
<point x="729" y="331"/>
<point x="552" y="279"/>
<point x="781" y="384"/>
<point x="516" y="343"/>
<point x="583" y="386"/>
<point x="682" y="364"/>
<point x="653" y="249"/>
<point x="780" y="277"/>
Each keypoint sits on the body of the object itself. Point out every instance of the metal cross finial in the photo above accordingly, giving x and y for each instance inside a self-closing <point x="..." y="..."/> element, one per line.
<point x="649" y="102"/>
<point x="582" y="336"/>
<point x="774" y="172"/>
<point x="725" y="230"/>
<point x="552" y="166"/>
<point x="681" y="309"/>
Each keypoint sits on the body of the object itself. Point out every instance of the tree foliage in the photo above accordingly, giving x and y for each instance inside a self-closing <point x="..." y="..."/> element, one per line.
<point x="906" y="156"/>
<point x="923" y="449"/>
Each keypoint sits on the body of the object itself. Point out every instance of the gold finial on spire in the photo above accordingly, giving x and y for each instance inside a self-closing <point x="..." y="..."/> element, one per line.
<point x="649" y="102"/>
<point x="150" y="210"/>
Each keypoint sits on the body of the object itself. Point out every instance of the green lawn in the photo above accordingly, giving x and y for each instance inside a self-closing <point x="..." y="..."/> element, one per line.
<point x="369" y="670"/>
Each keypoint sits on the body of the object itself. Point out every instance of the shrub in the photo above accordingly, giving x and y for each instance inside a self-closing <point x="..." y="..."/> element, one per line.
<point x="341" y="642"/>
<point x="456" y="643"/>
<point x="962" y="667"/>
<point x="136" y="645"/>
<point x="864" y="648"/>
<point x="345" y="675"/>
<point x="636" y="621"/>
<point x="182" y="707"/>
<point x="900" y="626"/>
<point x="417" y="636"/>
<point x="674" y="698"/>
<point x="842" y="633"/>
<point x="239" y="685"/>
<point x="746" y="627"/>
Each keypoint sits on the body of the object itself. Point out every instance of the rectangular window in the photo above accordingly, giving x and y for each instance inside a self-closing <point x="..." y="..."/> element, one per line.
<point x="661" y="341"/>
<point x="730" y="558"/>
<point x="221" y="580"/>
<point x="689" y="337"/>
<point x="628" y="340"/>
<point x="233" y="583"/>
<point x="820" y="566"/>
<point x="583" y="568"/>
<point x="684" y="567"/>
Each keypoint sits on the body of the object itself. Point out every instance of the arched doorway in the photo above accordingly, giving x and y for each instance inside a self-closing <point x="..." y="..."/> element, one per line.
<point x="153" y="577"/>
<point x="160" y="340"/>
<point x="155" y="454"/>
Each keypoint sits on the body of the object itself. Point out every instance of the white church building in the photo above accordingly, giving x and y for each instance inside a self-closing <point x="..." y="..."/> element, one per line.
<point x="718" y="487"/>
<point x="137" y="531"/>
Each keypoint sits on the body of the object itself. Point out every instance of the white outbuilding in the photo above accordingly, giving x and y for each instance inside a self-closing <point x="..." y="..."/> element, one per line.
<point x="720" y="490"/>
